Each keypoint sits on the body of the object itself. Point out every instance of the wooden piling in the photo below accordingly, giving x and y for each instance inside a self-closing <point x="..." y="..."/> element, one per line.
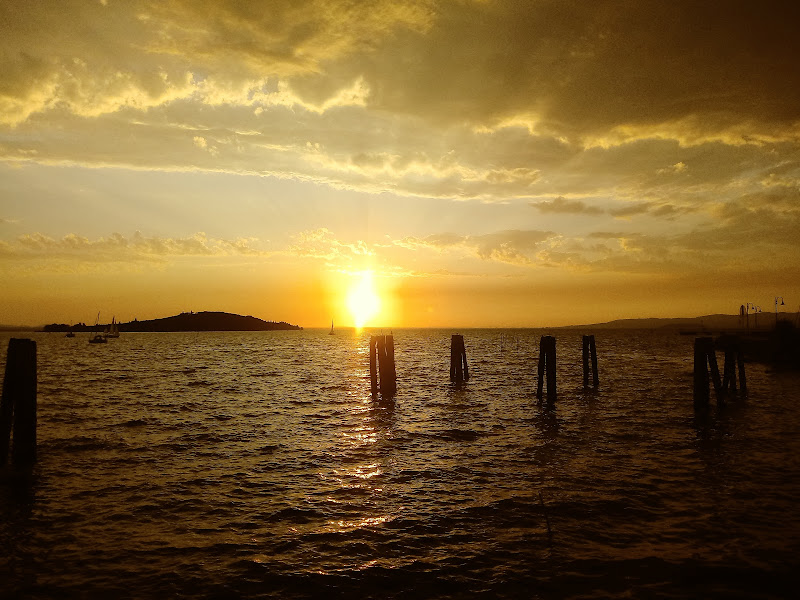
<point x="18" y="403"/>
<point x="585" y="360"/>
<point x="459" y="371"/>
<point x="540" y="374"/>
<point x="700" y="391"/>
<point x="382" y="372"/>
<point x="742" y="378"/>
<point x="391" y="369"/>
<point x="547" y="368"/>
<point x="7" y="408"/>
<point x="373" y="364"/>
<point x="590" y="350"/>
<point x="733" y="359"/>
<point x="705" y="357"/>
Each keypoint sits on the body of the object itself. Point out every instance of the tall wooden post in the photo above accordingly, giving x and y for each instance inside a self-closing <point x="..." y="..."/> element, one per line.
<point x="585" y="360"/>
<point x="700" y="391"/>
<point x="391" y="371"/>
<point x="733" y="359"/>
<point x="590" y="349"/>
<point x="459" y="371"/>
<point x="390" y="365"/>
<point x="18" y="403"/>
<point x="705" y="357"/>
<point x="383" y="375"/>
<point x="547" y="368"/>
<point x="742" y="378"/>
<point x="373" y="364"/>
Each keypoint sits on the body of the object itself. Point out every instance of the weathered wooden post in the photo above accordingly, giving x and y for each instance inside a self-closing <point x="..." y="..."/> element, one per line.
<point x="705" y="357"/>
<point x="382" y="348"/>
<point x="733" y="359"/>
<point x="391" y="371"/>
<point x="590" y="349"/>
<point x="382" y="364"/>
<point x="18" y="403"/>
<point x="700" y="392"/>
<point x="742" y="378"/>
<point x="547" y="368"/>
<point x="373" y="364"/>
<point x="459" y="371"/>
<point x="593" y="351"/>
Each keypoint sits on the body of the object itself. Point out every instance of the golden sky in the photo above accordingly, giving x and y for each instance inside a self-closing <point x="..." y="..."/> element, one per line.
<point x="490" y="163"/>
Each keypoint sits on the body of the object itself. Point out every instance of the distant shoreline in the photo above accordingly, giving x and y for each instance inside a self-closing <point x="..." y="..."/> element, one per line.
<point x="191" y="321"/>
<point x="706" y="324"/>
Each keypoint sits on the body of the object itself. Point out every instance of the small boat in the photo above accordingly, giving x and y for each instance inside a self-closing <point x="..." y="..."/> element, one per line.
<point x="70" y="334"/>
<point x="331" y="331"/>
<point x="113" y="330"/>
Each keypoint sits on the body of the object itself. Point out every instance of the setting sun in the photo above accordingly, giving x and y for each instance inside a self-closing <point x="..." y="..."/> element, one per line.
<point x="362" y="300"/>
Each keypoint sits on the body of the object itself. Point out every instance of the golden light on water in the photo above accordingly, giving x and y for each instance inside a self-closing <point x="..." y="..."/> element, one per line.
<point x="362" y="300"/>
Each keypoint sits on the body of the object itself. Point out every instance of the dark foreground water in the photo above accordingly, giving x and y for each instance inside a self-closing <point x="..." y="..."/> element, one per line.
<point x="257" y="465"/>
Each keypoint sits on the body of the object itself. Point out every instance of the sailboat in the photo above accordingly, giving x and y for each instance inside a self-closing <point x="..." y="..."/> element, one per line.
<point x="331" y="331"/>
<point x="98" y="338"/>
<point x="113" y="330"/>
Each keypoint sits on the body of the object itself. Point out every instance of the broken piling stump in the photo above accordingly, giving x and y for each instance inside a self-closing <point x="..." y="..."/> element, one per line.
<point x="547" y="368"/>
<point x="590" y="350"/>
<point x="459" y="371"/>
<point x="18" y="403"/>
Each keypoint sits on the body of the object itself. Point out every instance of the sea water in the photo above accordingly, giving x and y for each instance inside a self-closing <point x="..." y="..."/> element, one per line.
<point x="224" y="465"/>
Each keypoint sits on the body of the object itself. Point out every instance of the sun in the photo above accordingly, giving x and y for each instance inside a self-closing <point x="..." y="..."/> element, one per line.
<point x="362" y="300"/>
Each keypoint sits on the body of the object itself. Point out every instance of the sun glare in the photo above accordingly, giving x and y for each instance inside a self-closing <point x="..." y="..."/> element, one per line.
<point x="362" y="300"/>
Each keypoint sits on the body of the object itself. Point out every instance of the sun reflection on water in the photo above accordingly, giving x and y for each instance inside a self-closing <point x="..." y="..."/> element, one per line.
<point x="359" y="523"/>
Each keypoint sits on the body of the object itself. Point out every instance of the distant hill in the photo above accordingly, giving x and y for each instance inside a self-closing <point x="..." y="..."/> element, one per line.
<point x="707" y="323"/>
<point x="191" y="321"/>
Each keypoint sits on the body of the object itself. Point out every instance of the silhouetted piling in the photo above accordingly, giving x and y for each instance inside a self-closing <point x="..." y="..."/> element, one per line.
<point x="18" y="403"/>
<point x="391" y="370"/>
<point x="373" y="364"/>
<point x="742" y="378"/>
<point x="459" y="371"/>
<point x="590" y="350"/>
<point x="705" y="357"/>
<point x="384" y="376"/>
<point x="547" y="368"/>
<point x="733" y="359"/>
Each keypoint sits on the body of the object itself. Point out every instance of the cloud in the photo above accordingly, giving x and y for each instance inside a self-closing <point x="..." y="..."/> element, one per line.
<point x="647" y="108"/>
<point x="118" y="248"/>
<point x="561" y="205"/>
<point x="516" y="247"/>
<point x="322" y="244"/>
<point x="678" y="167"/>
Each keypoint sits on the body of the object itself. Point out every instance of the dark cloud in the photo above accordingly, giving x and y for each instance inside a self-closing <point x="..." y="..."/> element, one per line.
<point x="588" y="67"/>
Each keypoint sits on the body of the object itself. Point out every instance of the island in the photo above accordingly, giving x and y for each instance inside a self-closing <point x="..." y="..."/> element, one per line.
<point x="187" y="321"/>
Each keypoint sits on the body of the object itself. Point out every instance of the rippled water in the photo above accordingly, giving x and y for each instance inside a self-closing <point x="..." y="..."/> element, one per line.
<point x="257" y="464"/>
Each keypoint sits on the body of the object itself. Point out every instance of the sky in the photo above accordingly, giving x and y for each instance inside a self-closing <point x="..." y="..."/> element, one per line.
<point x="482" y="163"/>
